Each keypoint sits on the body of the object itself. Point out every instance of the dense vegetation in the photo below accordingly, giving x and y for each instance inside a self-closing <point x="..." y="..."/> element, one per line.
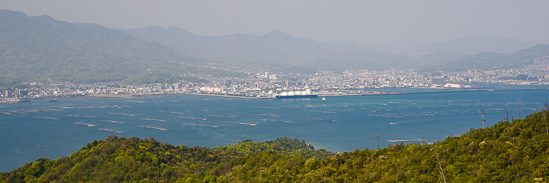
<point x="506" y="152"/>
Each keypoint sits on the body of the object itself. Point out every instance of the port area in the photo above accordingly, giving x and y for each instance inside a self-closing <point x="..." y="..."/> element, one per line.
<point x="9" y="100"/>
<point x="318" y="94"/>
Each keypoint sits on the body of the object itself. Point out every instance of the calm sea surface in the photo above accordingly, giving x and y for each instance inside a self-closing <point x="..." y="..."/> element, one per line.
<point x="37" y="129"/>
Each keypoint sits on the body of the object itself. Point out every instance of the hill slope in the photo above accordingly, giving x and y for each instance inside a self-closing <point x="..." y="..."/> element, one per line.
<point x="39" y="48"/>
<point x="474" y="45"/>
<point x="491" y="60"/>
<point x="505" y="152"/>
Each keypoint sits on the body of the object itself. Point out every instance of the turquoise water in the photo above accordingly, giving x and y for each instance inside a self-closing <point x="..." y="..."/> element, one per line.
<point x="37" y="129"/>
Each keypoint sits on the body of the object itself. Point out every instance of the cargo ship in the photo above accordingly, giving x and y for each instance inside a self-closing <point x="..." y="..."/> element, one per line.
<point x="296" y="94"/>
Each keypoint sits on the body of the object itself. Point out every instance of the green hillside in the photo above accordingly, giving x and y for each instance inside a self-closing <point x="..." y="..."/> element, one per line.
<point x="506" y="152"/>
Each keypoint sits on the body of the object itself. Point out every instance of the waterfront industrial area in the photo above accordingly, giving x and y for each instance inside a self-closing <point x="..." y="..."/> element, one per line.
<point x="263" y="84"/>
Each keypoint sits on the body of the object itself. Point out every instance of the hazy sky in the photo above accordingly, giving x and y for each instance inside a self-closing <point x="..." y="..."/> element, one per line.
<point x="362" y="21"/>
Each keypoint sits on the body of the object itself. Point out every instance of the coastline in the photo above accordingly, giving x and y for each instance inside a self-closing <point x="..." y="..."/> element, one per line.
<point x="118" y="96"/>
<point x="320" y="94"/>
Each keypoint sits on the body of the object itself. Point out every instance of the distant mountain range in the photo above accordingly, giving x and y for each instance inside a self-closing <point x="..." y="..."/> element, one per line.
<point x="282" y="48"/>
<point x="41" y="48"/>
<point x="274" y="47"/>
<point x="492" y="60"/>
<point x="474" y="45"/>
<point x="464" y="46"/>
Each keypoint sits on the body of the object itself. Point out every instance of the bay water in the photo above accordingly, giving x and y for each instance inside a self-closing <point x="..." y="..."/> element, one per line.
<point x="42" y="129"/>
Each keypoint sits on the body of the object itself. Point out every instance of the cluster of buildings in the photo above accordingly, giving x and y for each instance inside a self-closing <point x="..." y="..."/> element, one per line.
<point x="270" y="84"/>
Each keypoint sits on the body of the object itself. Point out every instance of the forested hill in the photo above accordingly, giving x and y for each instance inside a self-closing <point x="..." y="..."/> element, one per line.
<point x="505" y="152"/>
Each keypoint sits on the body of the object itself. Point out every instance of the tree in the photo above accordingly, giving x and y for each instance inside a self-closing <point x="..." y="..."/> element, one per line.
<point x="483" y="120"/>
<point x="377" y="138"/>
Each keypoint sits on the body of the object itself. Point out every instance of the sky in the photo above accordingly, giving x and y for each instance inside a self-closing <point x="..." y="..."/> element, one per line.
<point x="368" y="22"/>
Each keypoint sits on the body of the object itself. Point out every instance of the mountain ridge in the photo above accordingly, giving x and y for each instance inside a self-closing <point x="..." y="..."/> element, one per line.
<point x="493" y="60"/>
<point x="285" y="49"/>
<point x="474" y="45"/>
<point x="273" y="47"/>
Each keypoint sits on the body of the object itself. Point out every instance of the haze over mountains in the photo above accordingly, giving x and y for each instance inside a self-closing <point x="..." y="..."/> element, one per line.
<point x="282" y="48"/>
<point x="34" y="48"/>
<point x="493" y="60"/>
<point x="474" y="45"/>
<point x="273" y="47"/>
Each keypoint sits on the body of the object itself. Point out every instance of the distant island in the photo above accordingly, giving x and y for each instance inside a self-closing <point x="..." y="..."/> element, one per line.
<point x="509" y="151"/>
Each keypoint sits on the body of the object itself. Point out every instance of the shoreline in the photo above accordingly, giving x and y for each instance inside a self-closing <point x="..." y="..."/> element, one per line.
<point x="366" y="93"/>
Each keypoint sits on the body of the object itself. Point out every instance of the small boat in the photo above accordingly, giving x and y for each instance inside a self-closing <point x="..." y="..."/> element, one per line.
<point x="323" y="98"/>
<point x="52" y="100"/>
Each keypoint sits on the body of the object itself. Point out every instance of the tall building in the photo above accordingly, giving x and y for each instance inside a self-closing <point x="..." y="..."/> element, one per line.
<point x="19" y="92"/>
<point x="8" y="93"/>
